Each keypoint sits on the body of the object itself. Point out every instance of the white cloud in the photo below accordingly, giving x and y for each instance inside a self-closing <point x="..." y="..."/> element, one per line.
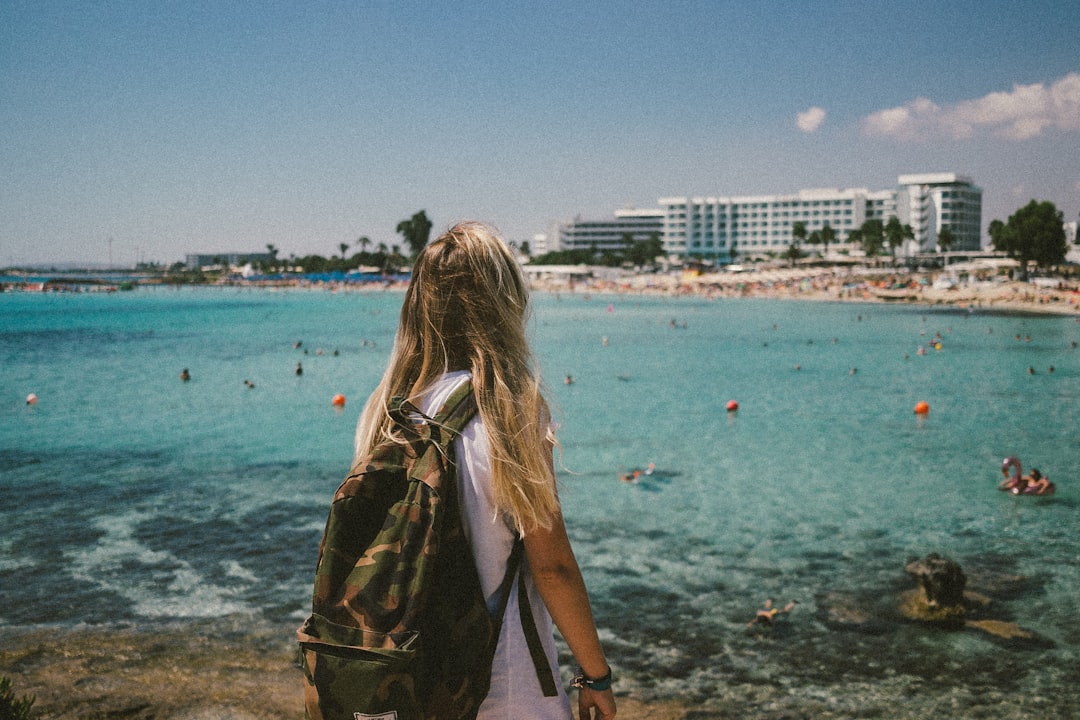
<point x="1022" y="113"/>
<point x="810" y="120"/>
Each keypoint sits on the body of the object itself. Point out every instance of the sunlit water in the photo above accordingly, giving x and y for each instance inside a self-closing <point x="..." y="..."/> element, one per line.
<point x="133" y="497"/>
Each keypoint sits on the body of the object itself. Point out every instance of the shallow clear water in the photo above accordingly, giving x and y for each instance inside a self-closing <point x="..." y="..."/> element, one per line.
<point x="134" y="497"/>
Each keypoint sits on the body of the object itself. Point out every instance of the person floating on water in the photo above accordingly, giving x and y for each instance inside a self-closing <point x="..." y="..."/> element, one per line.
<point x="1036" y="483"/>
<point x="185" y="375"/>
<point x="636" y="474"/>
<point x="767" y="615"/>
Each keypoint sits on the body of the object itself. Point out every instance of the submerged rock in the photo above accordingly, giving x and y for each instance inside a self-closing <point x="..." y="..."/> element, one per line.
<point x="942" y="600"/>
<point x="939" y="598"/>
<point x="1001" y="629"/>
<point x="941" y="580"/>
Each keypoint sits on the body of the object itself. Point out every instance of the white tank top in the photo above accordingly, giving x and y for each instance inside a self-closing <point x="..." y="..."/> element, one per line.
<point x="515" y="692"/>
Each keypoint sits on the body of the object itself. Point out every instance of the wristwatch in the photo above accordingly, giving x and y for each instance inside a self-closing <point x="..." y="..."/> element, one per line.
<point x="581" y="680"/>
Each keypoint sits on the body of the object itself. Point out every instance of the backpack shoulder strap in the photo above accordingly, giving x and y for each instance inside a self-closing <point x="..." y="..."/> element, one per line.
<point x="458" y="409"/>
<point x="454" y="415"/>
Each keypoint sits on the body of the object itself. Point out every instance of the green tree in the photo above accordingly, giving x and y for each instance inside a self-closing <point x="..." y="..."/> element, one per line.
<point x="1034" y="232"/>
<point x="814" y="238"/>
<point x="645" y="252"/>
<point x="363" y="241"/>
<point x="793" y="252"/>
<point x="872" y="236"/>
<point x="416" y="231"/>
<point x="798" y="232"/>
<point x="896" y="234"/>
<point x="273" y="256"/>
<point x="945" y="239"/>
<point x="828" y="235"/>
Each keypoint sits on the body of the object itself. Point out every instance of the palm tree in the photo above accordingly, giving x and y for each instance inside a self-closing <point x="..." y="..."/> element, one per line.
<point x="363" y="242"/>
<point x="896" y="234"/>
<point x="793" y="253"/>
<point x="872" y="236"/>
<point x="945" y="238"/>
<point x="798" y="232"/>
<point x="828" y="235"/>
<point x="416" y="231"/>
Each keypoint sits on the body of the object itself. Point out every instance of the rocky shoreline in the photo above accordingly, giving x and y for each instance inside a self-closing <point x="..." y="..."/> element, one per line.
<point x="202" y="671"/>
<point x="195" y="673"/>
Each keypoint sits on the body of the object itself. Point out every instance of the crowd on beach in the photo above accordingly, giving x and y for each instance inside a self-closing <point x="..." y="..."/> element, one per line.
<point x="843" y="284"/>
<point x="837" y="283"/>
<point x="1058" y="295"/>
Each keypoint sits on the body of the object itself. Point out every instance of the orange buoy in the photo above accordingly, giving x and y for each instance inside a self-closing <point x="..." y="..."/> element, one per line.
<point x="732" y="405"/>
<point x="338" y="401"/>
<point x="922" y="407"/>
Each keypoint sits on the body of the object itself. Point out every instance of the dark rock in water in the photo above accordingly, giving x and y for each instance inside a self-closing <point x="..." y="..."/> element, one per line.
<point x="942" y="581"/>
<point x="940" y="597"/>
<point x="942" y="600"/>
<point x="913" y="606"/>
<point x="851" y="612"/>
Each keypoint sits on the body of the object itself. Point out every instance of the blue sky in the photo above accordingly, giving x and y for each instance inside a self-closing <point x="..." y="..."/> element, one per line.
<point x="158" y="129"/>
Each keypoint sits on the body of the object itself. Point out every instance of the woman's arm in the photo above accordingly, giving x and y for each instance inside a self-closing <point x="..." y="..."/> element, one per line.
<point x="558" y="578"/>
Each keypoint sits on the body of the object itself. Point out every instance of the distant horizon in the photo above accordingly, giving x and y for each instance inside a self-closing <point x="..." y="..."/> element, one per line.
<point x="146" y="132"/>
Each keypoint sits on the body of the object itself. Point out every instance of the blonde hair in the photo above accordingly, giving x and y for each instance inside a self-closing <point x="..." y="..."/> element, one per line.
<point x="465" y="309"/>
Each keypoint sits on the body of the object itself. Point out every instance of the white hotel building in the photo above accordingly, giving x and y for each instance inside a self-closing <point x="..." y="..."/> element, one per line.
<point x="709" y="227"/>
<point x="608" y="233"/>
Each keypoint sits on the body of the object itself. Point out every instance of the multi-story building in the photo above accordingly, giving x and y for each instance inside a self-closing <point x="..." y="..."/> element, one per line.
<point x="225" y="259"/>
<point x="723" y="227"/>
<point x="609" y="233"/>
<point x="932" y="201"/>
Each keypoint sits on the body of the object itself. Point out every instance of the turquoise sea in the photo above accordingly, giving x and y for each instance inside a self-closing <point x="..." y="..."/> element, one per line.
<point x="133" y="498"/>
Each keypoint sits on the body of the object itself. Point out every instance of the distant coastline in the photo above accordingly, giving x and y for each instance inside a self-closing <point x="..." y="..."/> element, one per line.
<point x="996" y="292"/>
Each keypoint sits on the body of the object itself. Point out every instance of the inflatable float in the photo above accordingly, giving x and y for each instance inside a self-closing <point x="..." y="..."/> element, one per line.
<point x="1018" y="484"/>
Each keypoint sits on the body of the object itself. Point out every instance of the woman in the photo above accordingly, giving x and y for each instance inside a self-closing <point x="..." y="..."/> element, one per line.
<point x="463" y="319"/>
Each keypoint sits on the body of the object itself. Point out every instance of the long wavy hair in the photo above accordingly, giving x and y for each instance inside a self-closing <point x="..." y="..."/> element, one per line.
<point x="466" y="308"/>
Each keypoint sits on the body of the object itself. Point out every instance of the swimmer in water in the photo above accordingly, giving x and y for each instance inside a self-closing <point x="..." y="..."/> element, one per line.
<point x="767" y="615"/>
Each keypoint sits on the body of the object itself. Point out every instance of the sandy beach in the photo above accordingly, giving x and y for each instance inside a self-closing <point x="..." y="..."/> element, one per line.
<point x="1001" y="294"/>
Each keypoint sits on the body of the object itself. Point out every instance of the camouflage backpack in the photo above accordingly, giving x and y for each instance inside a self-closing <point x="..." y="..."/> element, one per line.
<point x="399" y="628"/>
